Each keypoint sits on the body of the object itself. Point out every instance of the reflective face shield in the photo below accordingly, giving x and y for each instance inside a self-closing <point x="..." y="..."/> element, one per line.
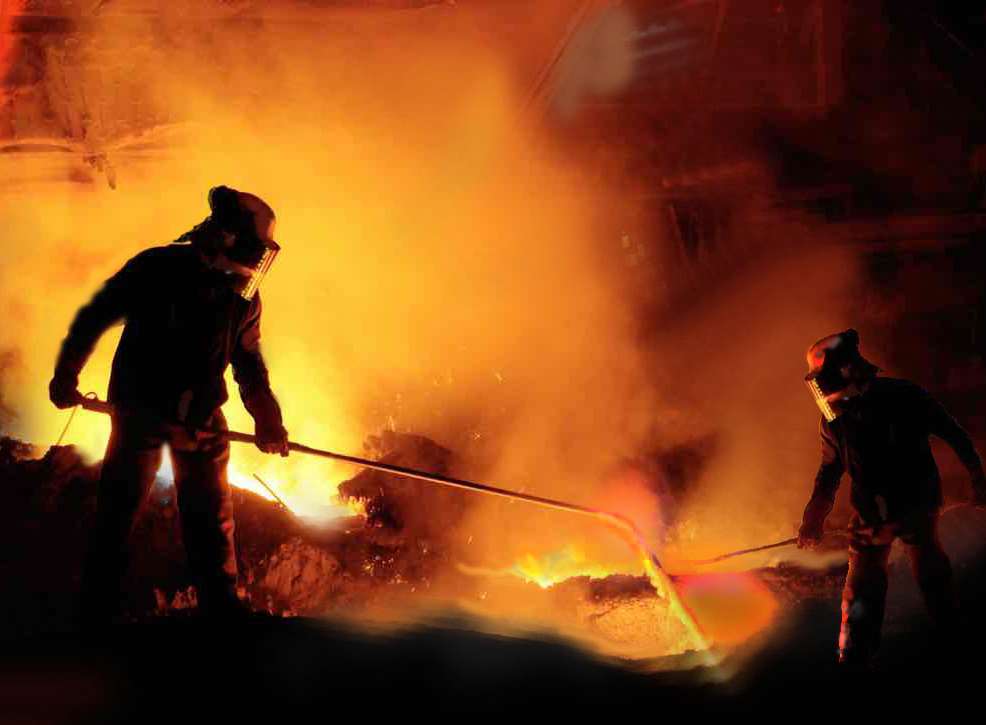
<point x="821" y="400"/>
<point x="246" y="224"/>
<point x="250" y="263"/>
<point x="830" y="388"/>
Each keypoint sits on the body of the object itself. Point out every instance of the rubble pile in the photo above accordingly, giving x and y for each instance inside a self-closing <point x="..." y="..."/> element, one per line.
<point x="627" y="612"/>
<point x="793" y="584"/>
<point x="394" y="505"/>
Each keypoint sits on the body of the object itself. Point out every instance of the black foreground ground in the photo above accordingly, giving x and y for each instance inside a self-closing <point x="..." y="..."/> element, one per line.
<point x="272" y="669"/>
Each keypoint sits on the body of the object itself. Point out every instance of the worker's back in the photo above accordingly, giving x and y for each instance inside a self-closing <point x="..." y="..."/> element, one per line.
<point x="882" y="441"/>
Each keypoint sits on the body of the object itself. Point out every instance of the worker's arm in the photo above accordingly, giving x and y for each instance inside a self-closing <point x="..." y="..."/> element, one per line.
<point x="108" y="306"/>
<point x="250" y="373"/>
<point x="823" y="496"/>
<point x="943" y="425"/>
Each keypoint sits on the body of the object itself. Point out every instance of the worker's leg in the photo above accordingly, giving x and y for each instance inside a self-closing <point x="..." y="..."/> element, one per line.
<point x="932" y="570"/>
<point x="863" y="601"/>
<point x="205" y="504"/>
<point x="131" y="462"/>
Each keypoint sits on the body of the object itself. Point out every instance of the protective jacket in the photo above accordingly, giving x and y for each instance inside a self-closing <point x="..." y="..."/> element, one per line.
<point x="881" y="440"/>
<point x="184" y="325"/>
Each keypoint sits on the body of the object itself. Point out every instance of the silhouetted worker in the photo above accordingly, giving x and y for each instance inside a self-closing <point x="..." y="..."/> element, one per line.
<point x="877" y="430"/>
<point x="189" y="310"/>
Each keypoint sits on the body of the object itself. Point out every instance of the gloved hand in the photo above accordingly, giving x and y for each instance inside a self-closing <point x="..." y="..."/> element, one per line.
<point x="877" y="534"/>
<point x="64" y="392"/>
<point x="272" y="439"/>
<point x="810" y="535"/>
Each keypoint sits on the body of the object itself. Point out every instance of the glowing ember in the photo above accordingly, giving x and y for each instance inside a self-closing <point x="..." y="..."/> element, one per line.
<point x="555" y="567"/>
<point x="302" y="500"/>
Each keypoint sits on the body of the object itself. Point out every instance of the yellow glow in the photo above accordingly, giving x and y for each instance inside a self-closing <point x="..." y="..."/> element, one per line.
<point x="555" y="567"/>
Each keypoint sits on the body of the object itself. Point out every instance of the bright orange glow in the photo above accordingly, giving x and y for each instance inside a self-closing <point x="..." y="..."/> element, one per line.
<point x="556" y="567"/>
<point x="731" y="608"/>
<point x="431" y="240"/>
<point x="447" y="270"/>
<point x="630" y="493"/>
<point x="728" y="608"/>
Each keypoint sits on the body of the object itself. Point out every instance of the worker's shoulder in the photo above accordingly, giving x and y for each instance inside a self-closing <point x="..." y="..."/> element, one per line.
<point x="167" y="254"/>
<point x="897" y="387"/>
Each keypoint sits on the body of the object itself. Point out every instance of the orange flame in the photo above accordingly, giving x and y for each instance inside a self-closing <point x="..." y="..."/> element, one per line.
<point x="555" y="567"/>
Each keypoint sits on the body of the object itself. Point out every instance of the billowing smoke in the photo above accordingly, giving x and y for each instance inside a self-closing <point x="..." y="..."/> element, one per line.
<point x="737" y="366"/>
<point x="439" y="271"/>
<point x="442" y="272"/>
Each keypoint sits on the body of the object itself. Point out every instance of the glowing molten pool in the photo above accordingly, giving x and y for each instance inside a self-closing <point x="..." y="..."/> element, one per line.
<point x="731" y="607"/>
<point x="728" y="608"/>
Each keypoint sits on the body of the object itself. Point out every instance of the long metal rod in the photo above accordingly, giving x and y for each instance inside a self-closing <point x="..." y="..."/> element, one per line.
<point x="425" y="476"/>
<point x="272" y="492"/>
<point x="100" y="406"/>
<point x="790" y="542"/>
<point x="741" y="552"/>
<point x="68" y="424"/>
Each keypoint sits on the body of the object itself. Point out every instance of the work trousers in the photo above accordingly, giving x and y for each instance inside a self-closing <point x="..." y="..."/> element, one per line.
<point x="205" y="507"/>
<point x="865" y="593"/>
